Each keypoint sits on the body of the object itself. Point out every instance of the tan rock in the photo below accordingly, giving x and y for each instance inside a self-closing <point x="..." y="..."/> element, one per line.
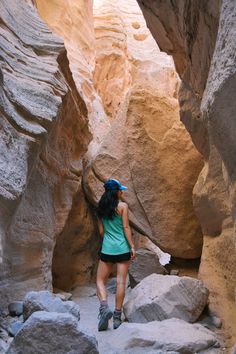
<point x="213" y="131"/>
<point x="73" y="21"/>
<point x="147" y="146"/>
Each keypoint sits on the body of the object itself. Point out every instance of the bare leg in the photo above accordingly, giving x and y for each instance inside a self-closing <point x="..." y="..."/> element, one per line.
<point x="103" y="272"/>
<point x="122" y="270"/>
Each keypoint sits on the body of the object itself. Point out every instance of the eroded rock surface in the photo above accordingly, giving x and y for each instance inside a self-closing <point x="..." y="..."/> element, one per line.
<point x="44" y="133"/>
<point x="201" y="38"/>
<point x="147" y="146"/>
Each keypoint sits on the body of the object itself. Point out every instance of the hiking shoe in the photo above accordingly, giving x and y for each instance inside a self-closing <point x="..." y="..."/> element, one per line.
<point x="116" y="319"/>
<point x="104" y="315"/>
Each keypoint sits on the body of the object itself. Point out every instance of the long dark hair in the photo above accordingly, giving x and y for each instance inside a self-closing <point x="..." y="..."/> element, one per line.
<point x="107" y="205"/>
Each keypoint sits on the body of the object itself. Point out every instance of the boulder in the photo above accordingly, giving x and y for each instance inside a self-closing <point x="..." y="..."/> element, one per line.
<point x="15" y="308"/>
<point x="160" y="297"/>
<point x="54" y="333"/>
<point x="46" y="301"/>
<point x="146" y="263"/>
<point x="161" y="337"/>
<point x="14" y="328"/>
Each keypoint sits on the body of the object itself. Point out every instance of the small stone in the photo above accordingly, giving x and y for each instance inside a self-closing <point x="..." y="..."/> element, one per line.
<point x="15" y="308"/>
<point x="216" y="322"/>
<point x="63" y="295"/>
<point x="14" y="328"/>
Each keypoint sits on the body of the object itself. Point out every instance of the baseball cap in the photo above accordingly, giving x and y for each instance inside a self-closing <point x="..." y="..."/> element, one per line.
<point x="114" y="184"/>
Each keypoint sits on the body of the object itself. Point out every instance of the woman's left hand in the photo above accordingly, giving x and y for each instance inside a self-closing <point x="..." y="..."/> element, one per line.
<point x="133" y="253"/>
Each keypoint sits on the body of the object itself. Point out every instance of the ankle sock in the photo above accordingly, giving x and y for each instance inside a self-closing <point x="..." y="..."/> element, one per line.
<point x="117" y="311"/>
<point x="103" y="303"/>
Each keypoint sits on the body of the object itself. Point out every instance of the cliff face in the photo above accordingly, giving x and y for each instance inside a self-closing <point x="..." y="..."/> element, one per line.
<point x="206" y="65"/>
<point x="44" y="133"/>
<point x="147" y="146"/>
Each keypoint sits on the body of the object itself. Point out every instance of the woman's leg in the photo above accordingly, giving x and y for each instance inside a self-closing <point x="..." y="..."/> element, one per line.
<point x="122" y="270"/>
<point x="103" y="272"/>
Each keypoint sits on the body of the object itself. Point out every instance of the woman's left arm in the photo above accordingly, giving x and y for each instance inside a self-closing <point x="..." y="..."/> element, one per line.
<point x="100" y="228"/>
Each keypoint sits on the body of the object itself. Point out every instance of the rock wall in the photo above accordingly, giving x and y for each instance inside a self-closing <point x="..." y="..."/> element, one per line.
<point x="147" y="146"/>
<point x="205" y="62"/>
<point x="73" y="21"/>
<point x="44" y="134"/>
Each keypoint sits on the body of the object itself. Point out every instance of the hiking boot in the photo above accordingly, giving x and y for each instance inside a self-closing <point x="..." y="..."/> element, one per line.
<point x="104" y="315"/>
<point x="116" y="319"/>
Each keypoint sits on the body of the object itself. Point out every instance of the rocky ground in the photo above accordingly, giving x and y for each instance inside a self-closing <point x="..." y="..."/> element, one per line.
<point x="55" y="324"/>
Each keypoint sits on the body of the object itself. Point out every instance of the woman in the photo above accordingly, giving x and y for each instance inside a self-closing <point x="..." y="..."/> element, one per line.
<point x="117" y="247"/>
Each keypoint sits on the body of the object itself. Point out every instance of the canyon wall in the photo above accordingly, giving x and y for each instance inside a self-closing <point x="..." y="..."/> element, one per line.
<point x="205" y="61"/>
<point x="44" y="135"/>
<point x="147" y="147"/>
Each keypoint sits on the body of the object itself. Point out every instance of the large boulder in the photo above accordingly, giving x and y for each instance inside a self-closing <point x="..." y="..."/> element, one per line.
<point x="54" y="333"/>
<point x="146" y="263"/>
<point x="168" y="336"/>
<point x="159" y="297"/>
<point x="46" y="301"/>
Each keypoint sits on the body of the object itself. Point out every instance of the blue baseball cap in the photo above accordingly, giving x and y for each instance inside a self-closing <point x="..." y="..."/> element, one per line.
<point x="114" y="184"/>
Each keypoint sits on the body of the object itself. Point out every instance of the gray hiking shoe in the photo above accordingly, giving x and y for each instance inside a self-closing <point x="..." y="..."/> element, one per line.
<point x="104" y="315"/>
<point x="116" y="319"/>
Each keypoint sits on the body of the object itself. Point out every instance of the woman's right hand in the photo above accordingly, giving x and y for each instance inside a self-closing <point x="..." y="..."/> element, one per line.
<point x="133" y="253"/>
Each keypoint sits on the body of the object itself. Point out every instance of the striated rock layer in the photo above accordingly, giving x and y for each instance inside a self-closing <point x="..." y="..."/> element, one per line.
<point x="44" y="133"/>
<point x="147" y="146"/>
<point x="205" y="62"/>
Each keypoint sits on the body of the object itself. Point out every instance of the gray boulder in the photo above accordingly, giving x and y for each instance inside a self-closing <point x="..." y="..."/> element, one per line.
<point x="159" y="297"/>
<point x="146" y="263"/>
<point x="46" y="301"/>
<point x="14" y="328"/>
<point x="168" y="336"/>
<point x="54" y="333"/>
<point x="15" y="308"/>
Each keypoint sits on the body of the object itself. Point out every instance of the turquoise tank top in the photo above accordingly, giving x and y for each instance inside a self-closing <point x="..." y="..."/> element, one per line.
<point x="114" y="239"/>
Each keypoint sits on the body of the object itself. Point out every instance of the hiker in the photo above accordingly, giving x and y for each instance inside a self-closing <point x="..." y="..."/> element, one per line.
<point x="117" y="247"/>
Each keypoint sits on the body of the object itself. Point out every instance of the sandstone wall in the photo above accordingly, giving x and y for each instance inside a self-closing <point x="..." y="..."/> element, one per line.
<point x="44" y="134"/>
<point x="207" y="103"/>
<point x="147" y="146"/>
<point x="73" y="21"/>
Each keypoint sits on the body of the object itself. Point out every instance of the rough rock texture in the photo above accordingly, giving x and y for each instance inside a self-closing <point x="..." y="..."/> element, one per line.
<point x="146" y="263"/>
<point x="159" y="297"/>
<point x="189" y="34"/>
<point x="54" y="333"/>
<point x="146" y="133"/>
<point x="74" y="254"/>
<point x="76" y="248"/>
<point x="168" y="336"/>
<point x="46" y="301"/>
<point x="44" y="133"/>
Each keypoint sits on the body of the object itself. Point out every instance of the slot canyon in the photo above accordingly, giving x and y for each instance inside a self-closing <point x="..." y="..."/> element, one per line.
<point x="142" y="91"/>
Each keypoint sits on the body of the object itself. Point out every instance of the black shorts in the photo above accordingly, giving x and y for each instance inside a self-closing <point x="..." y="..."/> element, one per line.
<point x="110" y="258"/>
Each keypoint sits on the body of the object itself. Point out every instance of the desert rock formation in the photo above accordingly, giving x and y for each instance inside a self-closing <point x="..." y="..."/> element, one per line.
<point x="147" y="146"/>
<point x="44" y="134"/>
<point x="207" y="110"/>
